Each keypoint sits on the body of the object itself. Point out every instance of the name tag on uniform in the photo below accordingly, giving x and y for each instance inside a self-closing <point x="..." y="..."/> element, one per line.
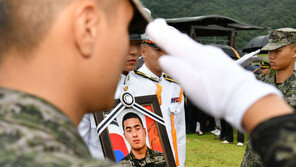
<point x="175" y="99"/>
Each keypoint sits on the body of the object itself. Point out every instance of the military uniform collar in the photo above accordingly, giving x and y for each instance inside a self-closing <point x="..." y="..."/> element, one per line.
<point x="124" y="78"/>
<point x="147" y="157"/>
<point x="144" y="69"/>
<point x="285" y="86"/>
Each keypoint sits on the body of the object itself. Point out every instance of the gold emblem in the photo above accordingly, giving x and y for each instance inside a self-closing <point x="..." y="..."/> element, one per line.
<point x="125" y="88"/>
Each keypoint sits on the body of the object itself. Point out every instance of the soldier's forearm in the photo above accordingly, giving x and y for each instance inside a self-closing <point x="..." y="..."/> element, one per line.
<point x="265" y="108"/>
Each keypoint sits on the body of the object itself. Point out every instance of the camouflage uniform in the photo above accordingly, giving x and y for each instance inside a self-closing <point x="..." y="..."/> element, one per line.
<point x="288" y="88"/>
<point x="35" y="133"/>
<point x="275" y="141"/>
<point x="153" y="158"/>
<point x="277" y="39"/>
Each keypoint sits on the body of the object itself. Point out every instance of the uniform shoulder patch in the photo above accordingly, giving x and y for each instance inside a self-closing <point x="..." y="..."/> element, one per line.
<point x="144" y="75"/>
<point x="169" y="78"/>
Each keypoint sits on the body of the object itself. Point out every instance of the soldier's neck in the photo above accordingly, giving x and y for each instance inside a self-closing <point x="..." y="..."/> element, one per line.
<point x="154" y="71"/>
<point x="125" y="72"/>
<point x="157" y="73"/>
<point x="283" y="75"/>
<point x="140" y="154"/>
<point x="44" y="81"/>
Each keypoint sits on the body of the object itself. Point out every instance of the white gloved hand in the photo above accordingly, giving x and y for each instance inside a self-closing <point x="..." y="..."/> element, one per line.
<point x="223" y="90"/>
<point x="248" y="58"/>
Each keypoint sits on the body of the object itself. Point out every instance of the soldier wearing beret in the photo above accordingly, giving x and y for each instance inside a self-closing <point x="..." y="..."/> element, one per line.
<point x="281" y="53"/>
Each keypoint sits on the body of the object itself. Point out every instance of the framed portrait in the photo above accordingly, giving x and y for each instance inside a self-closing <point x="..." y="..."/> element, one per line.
<point x="134" y="123"/>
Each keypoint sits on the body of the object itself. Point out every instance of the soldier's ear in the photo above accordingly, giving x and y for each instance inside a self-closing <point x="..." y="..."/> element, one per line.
<point x="86" y="20"/>
<point x="143" y="51"/>
<point x="294" y="51"/>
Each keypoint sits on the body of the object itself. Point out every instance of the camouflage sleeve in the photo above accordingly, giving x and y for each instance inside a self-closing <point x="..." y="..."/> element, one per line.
<point x="260" y="77"/>
<point x="275" y="141"/>
<point x="33" y="159"/>
<point x="24" y="146"/>
<point x="251" y="158"/>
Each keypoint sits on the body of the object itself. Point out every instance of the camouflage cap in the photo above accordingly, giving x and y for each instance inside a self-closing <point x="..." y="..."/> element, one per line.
<point x="280" y="37"/>
<point x="140" y="20"/>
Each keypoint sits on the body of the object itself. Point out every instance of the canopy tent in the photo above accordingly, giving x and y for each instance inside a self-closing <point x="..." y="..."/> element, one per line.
<point x="211" y="26"/>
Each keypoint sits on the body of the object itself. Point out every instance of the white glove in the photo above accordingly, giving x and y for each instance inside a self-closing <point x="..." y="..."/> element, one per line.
<point x="209" y="77"/>
<point x="248" y="58"/>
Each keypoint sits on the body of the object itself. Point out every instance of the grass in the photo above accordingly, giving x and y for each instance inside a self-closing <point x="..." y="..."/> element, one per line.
<point x="204" y="151"/>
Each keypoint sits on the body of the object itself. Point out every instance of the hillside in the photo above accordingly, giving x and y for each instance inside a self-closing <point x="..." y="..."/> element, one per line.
<point x="265" y="13"/>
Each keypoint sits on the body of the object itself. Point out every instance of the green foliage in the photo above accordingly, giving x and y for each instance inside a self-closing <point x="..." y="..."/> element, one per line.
<point x="265" y="13"/>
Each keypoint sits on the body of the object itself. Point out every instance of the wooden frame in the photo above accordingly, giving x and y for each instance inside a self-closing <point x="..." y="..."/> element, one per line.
<point x="145" y="101"/>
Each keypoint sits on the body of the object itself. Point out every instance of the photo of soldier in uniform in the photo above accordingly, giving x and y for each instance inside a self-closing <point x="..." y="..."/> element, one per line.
<point x="140" y="154"/>
<point x="135" y="137"/>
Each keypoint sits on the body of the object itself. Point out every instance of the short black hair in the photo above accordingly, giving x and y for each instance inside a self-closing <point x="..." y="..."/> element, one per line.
<point x="129" y="116"/>
<point x="24" y="23"/>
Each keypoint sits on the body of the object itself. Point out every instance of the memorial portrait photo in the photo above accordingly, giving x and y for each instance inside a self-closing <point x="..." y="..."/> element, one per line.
<point x="135" y="137"/>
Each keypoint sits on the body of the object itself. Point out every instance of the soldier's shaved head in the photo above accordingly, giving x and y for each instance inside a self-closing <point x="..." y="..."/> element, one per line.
<point x="23" y="23"/>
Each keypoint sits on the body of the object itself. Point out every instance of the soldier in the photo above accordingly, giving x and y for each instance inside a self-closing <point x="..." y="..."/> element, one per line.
<point x="282" y="53"/>
<point x="51" y="75"/>
<point x="248" y="104"/>
<point x="135" y="134"/>
<point x="130" y="63"/>
<point x="87" y="126"/>
<point x="265" y="68"/>
<point x="150" y="79"/>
